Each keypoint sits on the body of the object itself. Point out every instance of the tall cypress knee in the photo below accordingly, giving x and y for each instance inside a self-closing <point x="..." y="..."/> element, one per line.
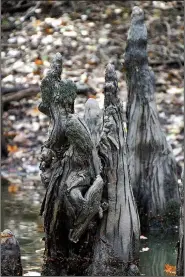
<point x="151" y="162"/>
<point x="117" y="247"/>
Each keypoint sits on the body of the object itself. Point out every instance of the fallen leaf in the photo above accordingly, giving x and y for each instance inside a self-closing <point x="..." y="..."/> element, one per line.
<point x="37" y="72"/>
<point x="38" y="62"/>
<point x="49" y="31"/>
<point x="40" y="228"/>
<point x="92" y="96"/>
<point x="12" y="148"/>
<point x="170" y="270"/>
<point x="36" y="23"/>
<point x="144" y="249"/>
<point x="143" y="237"/>
<point x="33" y="112"/>
<point x="13" y="188"/>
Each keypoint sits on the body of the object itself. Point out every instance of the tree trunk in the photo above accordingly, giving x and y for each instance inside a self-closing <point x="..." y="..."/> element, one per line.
<point x="151" y="162"/>
<point x="116" y="250"/>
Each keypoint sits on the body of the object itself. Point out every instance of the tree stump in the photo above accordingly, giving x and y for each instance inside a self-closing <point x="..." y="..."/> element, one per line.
<point x="151" y="162"/>
<point x="10" y="255"/>
<point x="116" y="250"/>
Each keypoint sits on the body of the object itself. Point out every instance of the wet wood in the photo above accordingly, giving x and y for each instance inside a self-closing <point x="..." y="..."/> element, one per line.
<point x="10" y="255"/>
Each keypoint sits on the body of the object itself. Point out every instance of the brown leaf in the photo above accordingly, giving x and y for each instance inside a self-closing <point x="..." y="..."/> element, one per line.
<point x="170" y="270"/>
<point x="13" y="188"/>
<point x="12" y="148"/>
<point x="38" y="62"/>
<point x="40" y="228"/>
<point x="33" y="112"/>
<point x="49" y="30"/>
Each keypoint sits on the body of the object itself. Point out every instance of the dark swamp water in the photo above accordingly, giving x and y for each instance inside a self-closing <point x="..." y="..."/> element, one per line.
<point x="19" y="213"/>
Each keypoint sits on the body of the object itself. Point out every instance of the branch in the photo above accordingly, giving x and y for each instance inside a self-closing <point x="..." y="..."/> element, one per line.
<point x="19" y="92"/>
<point x="32" y="91"/>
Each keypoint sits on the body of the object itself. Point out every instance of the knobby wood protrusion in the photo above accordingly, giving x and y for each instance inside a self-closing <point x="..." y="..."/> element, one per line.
<point x="94" y="120"/>
<point x="116" y="250"/>
<point x="71" y="173"/>
<point x="10" y="255"/>
<point x="151" y="162"/>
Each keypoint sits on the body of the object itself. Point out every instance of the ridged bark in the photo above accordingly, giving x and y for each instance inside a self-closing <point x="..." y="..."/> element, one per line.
<point x="151" y="162"/>
<point x="180" y="254"/>
<point x="116" y="251"/>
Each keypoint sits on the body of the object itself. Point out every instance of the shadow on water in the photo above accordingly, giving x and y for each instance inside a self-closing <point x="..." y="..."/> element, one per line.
<point x="20" y="214"/>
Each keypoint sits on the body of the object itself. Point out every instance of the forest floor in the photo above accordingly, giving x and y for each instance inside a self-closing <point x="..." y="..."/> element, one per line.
<point x="88" y="36"/>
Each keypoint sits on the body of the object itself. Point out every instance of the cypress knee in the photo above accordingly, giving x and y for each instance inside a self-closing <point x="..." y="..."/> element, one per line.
<point x="116" y="251"/>
<point x="70" y="171"/>
<point x="10" y="255"/>
<point x="151" y="162"/>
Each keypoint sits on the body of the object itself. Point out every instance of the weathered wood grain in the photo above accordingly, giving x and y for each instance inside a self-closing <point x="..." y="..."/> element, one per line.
<point x="71" y="174"/>
<point x="151" y="162"/>
<point x="117" y="247"/>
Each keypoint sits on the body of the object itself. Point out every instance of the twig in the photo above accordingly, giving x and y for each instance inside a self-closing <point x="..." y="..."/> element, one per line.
<point x="31" y="11"/>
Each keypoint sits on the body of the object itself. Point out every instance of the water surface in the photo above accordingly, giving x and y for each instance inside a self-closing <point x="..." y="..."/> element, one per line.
<point x="20" y="214"/>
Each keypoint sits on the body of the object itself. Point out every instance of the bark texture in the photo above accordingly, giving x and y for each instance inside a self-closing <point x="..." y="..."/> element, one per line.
<point x="180" y="254"/>
<point x="117" y="247"/>
<point x="71" y="173"/>
<point x="151" y="162"/>
<point x="10" y="255"/>
<point x="94" y="119"/>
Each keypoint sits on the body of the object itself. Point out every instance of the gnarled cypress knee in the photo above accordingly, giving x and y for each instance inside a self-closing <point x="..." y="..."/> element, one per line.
<point x="151" y="162"/>
<point x="117" y="248"/>
<point x="71" y="174"/>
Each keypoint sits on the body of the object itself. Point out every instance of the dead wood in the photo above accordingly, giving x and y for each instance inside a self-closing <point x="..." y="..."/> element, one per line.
<point x="71" y="174"/>
<point x="10" y="255"/>
<point x="116" y="251"/>
<point x="151" y="162"/>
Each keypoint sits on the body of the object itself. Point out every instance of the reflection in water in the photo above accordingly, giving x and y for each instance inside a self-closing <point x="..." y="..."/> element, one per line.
<point x="162" y="250"/>
<point x="20" y="215"/>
